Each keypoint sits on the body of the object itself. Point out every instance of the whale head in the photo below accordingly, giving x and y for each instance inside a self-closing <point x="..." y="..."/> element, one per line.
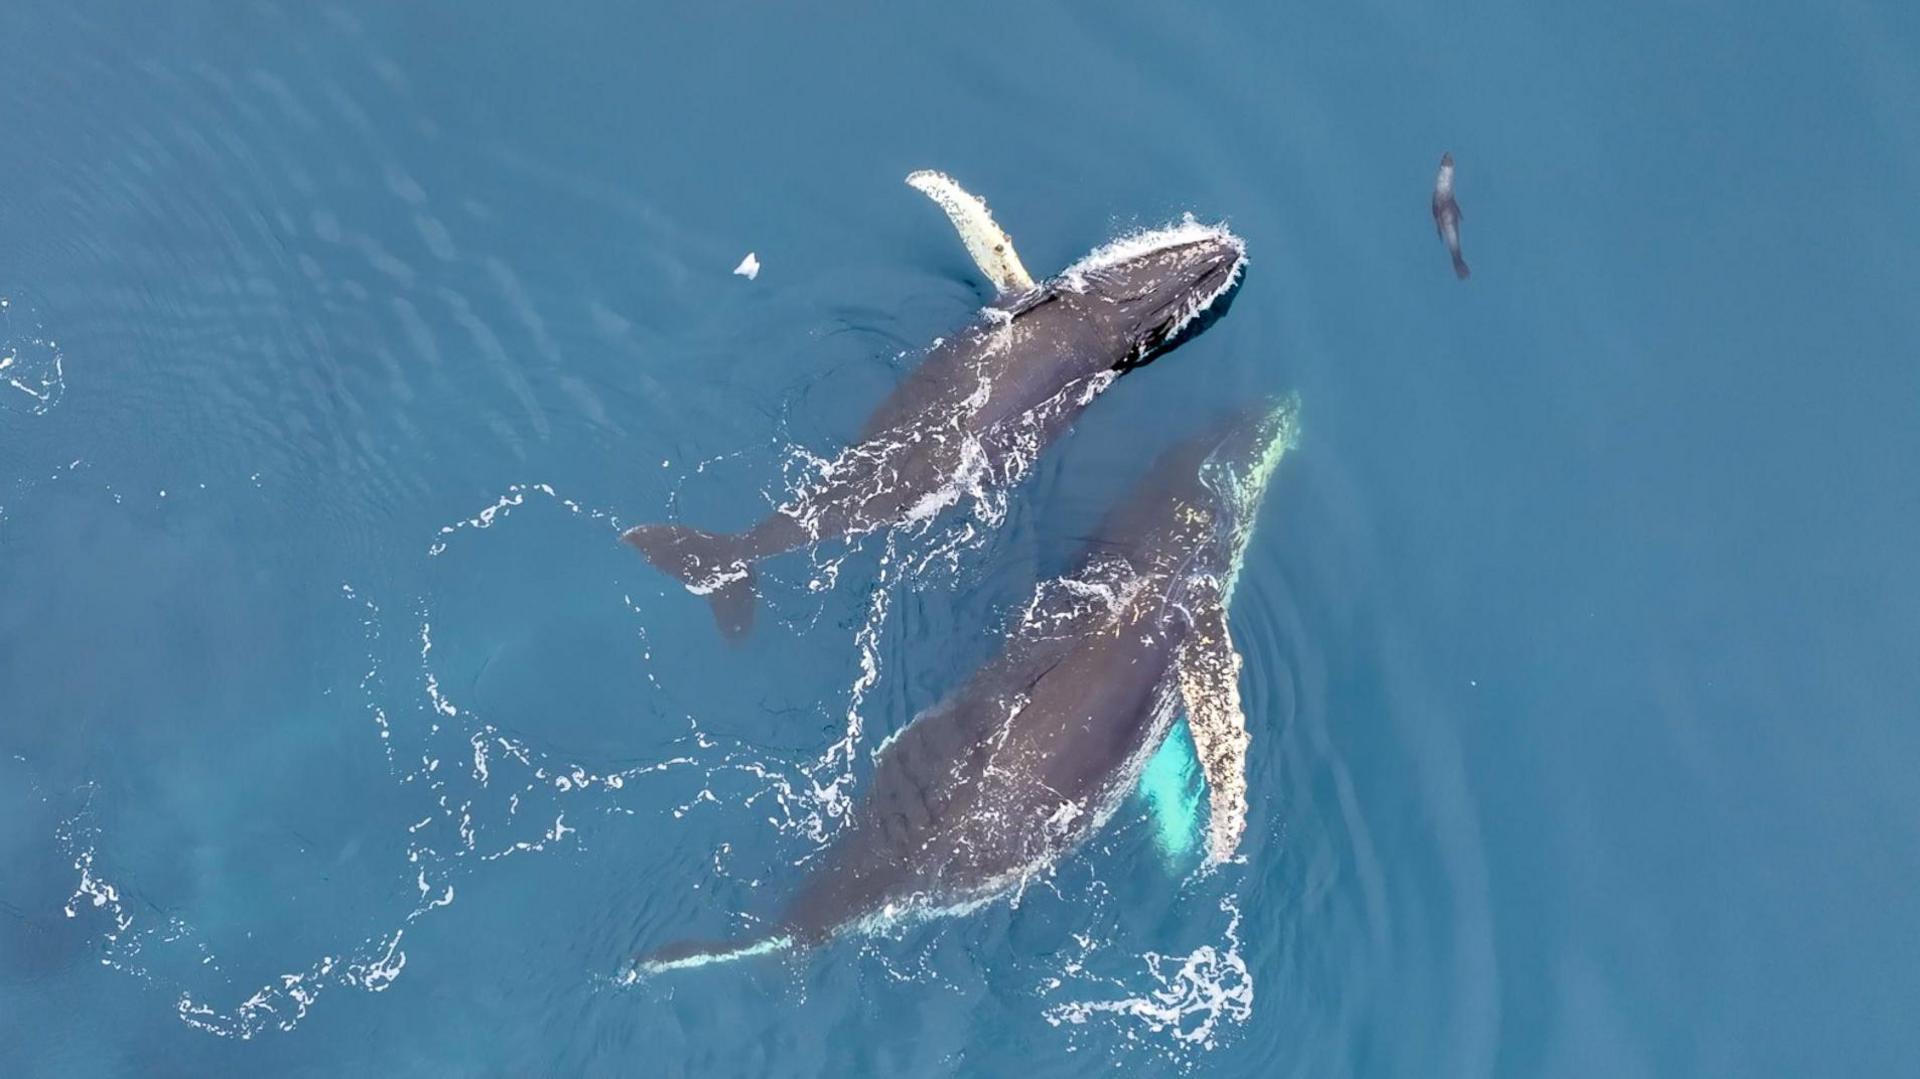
<point x="1237" y="469"/>
<point x="1146" y="290"/>
<point x="1190" y="518"/>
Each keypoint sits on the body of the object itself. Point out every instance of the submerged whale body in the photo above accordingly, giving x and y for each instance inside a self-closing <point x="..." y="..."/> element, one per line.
<point x="984" y="402"/>
<point x="1035" y="751"/>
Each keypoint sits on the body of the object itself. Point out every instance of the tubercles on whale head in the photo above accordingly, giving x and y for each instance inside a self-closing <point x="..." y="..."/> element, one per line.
<point x="1149" y="288"/>
<point x="1242" y="463"/>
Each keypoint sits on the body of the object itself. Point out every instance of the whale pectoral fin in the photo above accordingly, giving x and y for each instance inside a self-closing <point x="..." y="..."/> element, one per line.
<point x="990" y="247"/>
<point x="1209" y="672"/>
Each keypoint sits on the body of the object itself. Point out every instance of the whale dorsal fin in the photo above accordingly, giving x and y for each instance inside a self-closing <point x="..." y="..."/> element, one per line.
<point x="1209" y="672"/>
<point x="992" y="251"/>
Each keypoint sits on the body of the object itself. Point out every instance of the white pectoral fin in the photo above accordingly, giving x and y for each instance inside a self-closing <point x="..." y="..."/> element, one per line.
<point x="1209" y="671"/>
<point x="992" y="251"/>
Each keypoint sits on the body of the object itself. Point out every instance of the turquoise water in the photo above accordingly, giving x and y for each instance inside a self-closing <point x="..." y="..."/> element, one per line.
<point x="1580" y="629"/>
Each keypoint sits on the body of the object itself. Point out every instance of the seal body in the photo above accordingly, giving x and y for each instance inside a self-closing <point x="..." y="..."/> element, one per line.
<point x="1446" y="215"/>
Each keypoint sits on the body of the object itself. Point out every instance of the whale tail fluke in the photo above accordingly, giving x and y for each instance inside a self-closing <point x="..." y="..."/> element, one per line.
<point x="1460" y="267"/>
<point x="711" y="564"/>
<point x="687" y="954"/>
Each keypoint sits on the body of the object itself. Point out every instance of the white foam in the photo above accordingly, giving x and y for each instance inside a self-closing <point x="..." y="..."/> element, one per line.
<point x="279" y="1004"/>
<point x="32" y="367"/>
<point x="763" y="947"/>
<point x="1132" y="245"/>
<point x="1191" y="994"/>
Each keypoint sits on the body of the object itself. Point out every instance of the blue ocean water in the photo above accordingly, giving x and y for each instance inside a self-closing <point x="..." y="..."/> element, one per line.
<point x="339" y="734"/>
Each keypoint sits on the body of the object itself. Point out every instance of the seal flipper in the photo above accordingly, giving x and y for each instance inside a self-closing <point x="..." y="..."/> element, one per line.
<point x="989" y="245"/>
<point x="710" y="564"/>
<point x="1209" y="673"/>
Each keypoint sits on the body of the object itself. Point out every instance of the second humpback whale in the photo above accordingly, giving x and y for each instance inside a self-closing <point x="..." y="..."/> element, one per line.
<point x="984" y="402"/>
<point x="1038" y="748"/>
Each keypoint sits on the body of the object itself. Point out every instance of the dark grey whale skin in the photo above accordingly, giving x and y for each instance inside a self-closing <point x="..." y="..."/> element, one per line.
<point x="1035" y="356"/>
<point x="973" y="792"/>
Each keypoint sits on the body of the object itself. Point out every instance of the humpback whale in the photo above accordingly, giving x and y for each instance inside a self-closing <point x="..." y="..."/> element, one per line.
<point x="984" y="402"/>
<point x="1038" y="748"/>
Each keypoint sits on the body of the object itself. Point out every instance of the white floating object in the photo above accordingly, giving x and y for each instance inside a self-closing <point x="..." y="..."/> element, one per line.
<point x="749" y="267"/>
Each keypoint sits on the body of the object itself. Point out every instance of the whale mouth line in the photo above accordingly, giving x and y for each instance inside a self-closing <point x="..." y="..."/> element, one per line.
<point x="1189" y="308"/>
